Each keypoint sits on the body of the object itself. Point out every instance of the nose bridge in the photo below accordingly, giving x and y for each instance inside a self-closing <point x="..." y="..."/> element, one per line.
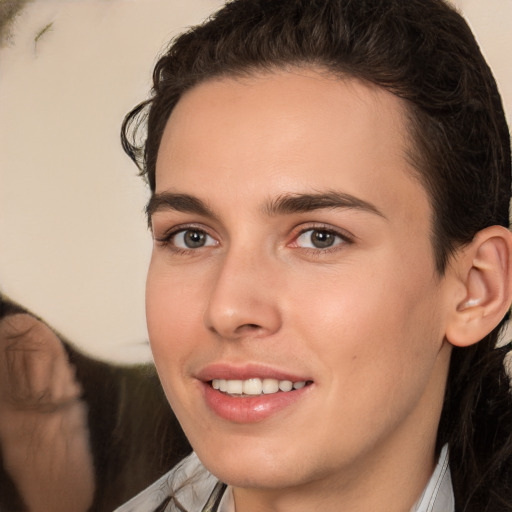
<point x="242" y="301"/>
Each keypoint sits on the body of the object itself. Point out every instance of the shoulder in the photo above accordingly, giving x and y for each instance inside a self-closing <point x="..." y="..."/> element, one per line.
<point x="189" y="482"/>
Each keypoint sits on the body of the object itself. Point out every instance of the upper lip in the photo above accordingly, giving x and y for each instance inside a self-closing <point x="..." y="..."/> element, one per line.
<point x="247" y="371"/>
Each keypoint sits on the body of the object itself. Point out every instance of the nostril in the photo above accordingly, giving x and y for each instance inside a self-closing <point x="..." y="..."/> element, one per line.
<point x="248" y="327"/>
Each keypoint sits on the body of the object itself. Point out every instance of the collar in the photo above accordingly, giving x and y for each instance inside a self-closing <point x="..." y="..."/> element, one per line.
<point x="438" y="494"/>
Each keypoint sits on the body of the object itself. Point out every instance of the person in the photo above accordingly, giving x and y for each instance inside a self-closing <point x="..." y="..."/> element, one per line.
<point x="330" y="187"/>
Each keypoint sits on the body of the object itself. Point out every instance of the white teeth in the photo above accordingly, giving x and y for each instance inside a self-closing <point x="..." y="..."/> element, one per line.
<point x="270" y="386"/>
<point x="285" y="385"/>
<point x="234" y="387"/>
<point x="255" y="386"/>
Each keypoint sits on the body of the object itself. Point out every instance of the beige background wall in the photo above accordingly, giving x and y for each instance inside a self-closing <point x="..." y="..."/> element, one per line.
<point x="73" y="241"/>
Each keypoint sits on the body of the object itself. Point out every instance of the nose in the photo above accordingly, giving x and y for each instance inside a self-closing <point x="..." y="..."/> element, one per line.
<point x="243" y="300"/>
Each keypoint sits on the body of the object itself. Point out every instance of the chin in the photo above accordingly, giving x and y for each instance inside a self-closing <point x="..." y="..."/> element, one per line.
<point x="254" y="468"/>
<point x="256" y="478"/>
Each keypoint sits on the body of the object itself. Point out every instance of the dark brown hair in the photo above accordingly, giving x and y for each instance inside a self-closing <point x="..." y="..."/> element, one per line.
<point x="424" y="52"/>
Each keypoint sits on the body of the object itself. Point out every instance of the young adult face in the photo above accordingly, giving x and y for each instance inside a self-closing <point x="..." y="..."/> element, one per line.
<point x="293" y="243"/>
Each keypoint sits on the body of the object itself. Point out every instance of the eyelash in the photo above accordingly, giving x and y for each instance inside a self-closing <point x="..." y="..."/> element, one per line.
<point x="166" y="239"/>
<point x="344" y="237"/>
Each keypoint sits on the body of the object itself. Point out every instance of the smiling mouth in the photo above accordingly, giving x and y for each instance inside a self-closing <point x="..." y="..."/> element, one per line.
<point x="256" y="386"/>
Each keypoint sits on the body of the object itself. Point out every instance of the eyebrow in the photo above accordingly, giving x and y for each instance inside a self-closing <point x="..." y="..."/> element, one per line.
<point x="284" y="204"/>
<point x="303" y="203"/>
<point x="185" y="203"/>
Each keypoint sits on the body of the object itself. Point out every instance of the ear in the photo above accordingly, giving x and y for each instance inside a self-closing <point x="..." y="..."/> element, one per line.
<point x="484" y="288"/>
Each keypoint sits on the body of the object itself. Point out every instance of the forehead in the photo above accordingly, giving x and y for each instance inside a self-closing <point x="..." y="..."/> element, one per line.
<point x="297" y="130"/>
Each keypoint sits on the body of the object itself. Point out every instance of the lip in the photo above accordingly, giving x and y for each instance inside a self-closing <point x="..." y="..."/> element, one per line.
<point x="249" y="409"/>
<point x="247" y="371"/>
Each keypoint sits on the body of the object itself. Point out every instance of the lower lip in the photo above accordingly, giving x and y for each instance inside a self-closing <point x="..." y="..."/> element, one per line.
<point x="250" y="409"/>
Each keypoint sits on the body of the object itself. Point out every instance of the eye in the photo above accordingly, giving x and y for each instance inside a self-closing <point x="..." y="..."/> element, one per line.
<point x="192" y="239"/>
<point x="318" y="239"/>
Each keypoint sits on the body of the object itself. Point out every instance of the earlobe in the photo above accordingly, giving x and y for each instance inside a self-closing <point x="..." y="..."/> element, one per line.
<point x="485" y="270"/>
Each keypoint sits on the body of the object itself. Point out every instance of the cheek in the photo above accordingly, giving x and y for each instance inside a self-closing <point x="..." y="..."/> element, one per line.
<point x="383" y="322"/>
<point x="173" y="314"/>
<point x="168" y="316"/>
<point x="376" y="342"/>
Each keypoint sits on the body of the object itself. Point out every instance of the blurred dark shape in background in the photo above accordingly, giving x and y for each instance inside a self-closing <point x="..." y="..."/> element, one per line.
<point x="115" y="428"/>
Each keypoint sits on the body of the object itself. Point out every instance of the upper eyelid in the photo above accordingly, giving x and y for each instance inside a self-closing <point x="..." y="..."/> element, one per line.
<point x="177" y="218"/>
<point x="295" y="231"/>
<point x="343" y="233"/>
<point x="173" y="230"/>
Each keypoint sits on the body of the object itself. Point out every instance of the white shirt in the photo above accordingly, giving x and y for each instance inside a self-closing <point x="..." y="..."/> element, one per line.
<point x="204" y="493"/>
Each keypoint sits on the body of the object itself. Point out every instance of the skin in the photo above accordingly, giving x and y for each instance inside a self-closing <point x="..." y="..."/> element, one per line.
<point x="364" y="319"/>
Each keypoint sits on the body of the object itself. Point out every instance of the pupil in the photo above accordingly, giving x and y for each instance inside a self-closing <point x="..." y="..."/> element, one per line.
<point x="322" y="239"/>
<point x="194" y="239"/>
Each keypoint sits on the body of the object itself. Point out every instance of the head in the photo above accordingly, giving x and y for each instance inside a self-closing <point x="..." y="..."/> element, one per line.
<point x="421" y="58"/>
<point x="423" y="52"/>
